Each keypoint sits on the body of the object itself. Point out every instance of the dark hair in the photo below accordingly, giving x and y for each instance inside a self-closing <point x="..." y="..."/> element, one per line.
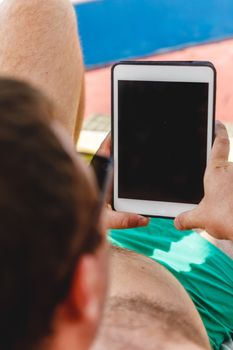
<point x="46" y="203"/>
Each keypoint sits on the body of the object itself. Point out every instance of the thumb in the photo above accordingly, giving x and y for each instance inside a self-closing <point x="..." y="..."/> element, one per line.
<point x="189" y="220"/>
<point x="118" y="220"/>
<point x="105" y="147"/>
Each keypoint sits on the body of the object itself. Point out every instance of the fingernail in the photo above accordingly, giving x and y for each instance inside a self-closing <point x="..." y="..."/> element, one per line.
<point x="143" y="221"/>
<point x="177" y="223"/>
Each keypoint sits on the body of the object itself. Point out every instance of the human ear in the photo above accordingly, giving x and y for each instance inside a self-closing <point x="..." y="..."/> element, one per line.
<point x="86" y="292"/>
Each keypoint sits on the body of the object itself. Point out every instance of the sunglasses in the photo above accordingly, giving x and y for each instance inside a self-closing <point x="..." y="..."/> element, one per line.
<point x="103" y="170"/>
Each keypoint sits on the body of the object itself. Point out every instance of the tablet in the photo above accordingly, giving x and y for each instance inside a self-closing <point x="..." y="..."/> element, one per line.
<point x="162" y="134"/>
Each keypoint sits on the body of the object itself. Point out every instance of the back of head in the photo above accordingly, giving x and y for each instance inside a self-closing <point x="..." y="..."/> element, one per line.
<point x="45" y="208"/>
<point x="135" y="323"/>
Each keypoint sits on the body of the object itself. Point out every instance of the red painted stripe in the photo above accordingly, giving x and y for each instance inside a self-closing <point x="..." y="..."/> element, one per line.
<point x="220" y="53"/>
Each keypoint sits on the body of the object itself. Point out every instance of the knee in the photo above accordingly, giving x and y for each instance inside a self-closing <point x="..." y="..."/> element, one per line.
<point x="31" y="13"/>
<point x="39" y="43"/>
<point x="37" y="6"/>
<point x="38" y="29"/>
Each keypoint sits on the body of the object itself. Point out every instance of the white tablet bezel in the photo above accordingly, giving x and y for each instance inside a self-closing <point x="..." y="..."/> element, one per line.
<point x="157" y="72"/>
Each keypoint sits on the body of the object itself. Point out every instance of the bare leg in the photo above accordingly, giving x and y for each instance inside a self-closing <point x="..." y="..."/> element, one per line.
<point x="39" y="43"/>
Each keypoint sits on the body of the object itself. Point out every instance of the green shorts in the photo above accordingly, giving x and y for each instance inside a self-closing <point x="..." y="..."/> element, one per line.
<point x="204" y="271"/>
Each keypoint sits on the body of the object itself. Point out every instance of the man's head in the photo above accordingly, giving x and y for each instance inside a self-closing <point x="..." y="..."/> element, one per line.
<point x="52" y="251"/>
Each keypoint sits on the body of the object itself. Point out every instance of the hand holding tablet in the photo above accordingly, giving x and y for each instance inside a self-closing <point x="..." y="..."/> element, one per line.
<point x="162" y="126"/>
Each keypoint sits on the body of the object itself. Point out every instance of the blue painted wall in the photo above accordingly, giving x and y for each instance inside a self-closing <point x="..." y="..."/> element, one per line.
<point x="117" y="29"/>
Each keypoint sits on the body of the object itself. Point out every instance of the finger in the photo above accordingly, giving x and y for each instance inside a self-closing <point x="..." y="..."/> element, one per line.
<point x="220" y="129"/>
<point x="118" y="220"/>
<point x="221" y="147"/>
<point x="105" y="147"/>
<point x="189" y="220"/>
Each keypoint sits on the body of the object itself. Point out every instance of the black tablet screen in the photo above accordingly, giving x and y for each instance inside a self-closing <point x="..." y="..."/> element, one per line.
<point x="162" y="138"/>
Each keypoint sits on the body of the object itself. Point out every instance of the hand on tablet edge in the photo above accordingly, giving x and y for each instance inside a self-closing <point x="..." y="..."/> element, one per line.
<point x="114" y="219"/>
<point x="105" y="147"/>
<point x="120" y="220"/>
<point x="214" y="214"/>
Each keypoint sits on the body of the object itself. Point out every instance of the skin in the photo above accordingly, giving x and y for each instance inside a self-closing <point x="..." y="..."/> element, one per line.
<point x="39" y="43"/>
<point x="156" y="279"/>
<point x="77" y="319"/>
<point x="50" y="57"/>
<point x="212" y="218"/>
<point x="158" y="285"/>
<point x="214" y="213"/>
<point x="112" y="218"/>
